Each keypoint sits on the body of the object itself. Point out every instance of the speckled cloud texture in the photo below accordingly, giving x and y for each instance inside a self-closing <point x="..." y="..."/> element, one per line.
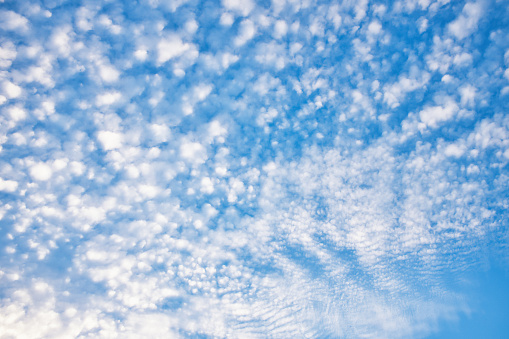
<point x="245" y="169"/>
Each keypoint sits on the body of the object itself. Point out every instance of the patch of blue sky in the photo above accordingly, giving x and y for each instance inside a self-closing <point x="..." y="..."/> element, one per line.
<point x="253" y="169"/>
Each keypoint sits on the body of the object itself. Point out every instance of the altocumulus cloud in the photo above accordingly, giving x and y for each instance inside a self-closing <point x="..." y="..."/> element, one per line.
<point x="231" y="169"/>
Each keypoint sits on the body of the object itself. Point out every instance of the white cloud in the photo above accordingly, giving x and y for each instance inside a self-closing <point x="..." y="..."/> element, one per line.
<point x="149" y="191"/>
<point x="12" y="21"/>
<point x="221" y="171"/>
<point x="40" y="74"/>
<point x="374" y="28"/>
<point x="132" y="172"/>
<point x="295" y="47"/>
<point x="284" y="206"/>
<point x="236" y="188"/>
<point x="108" y="73"/>
<point x="432" y="116"/>
<point x="191" y="26"/>
<point x="199" y="93"/>
<point x="491" y="133"/>
<point x="8" y="185"/>
<point x="423" y="25"/>
<point x="334" y="16"/>
<point x="362" y="49"/>
<point x="228" y="59"/>
<point x="77" y="168"/>
<point x="62" y="40"/>
<point x="226" y="19"/>
<point x="108" y="23"/>
<point x="207" y="186"/>
<point x="110" y="140"/>
<point x="396" y="92"/>
<point x="266" y="116"/>
<point x="247" y="31"/>
<point x="242" y="7"/>
<point x="360" y="9"/>
<point x="202" y="91"/>
<point x="193" y="152"/>
<point x="265" y="83"/>
<point x="141" y="54"/>
<point x="466" y="23"/>
<point x="7" y="54"/>
<point x="17" y="113"/>
<point x="454" y="151"/>
<point x="445" y="53"/>
<point x="317" y="27"/>
<point x="280" y="29"/>
<point x="108" y="98"/>
<point x="462" y="59"/>
<point x="41" y="171"/>
<point x="160" y="132"/>
<point x="11" y="90"/>
<point x="84" y="18"/>
<point x="170" y="48"/>
<point x="272" y="54"/>
<point x="216" y="131"/>
<point x="467" y="95"/>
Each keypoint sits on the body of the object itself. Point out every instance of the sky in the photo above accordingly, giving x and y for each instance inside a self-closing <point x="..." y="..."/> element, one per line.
<point x="254" y="169"/>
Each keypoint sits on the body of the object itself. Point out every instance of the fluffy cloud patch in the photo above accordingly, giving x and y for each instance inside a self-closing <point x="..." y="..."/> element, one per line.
<point x="243" y="7"/>
<point x="467" y="21"/>
<point x="41" y="171"/>
<point x="17" y="113"/>
<point x="193" y="152"/>
<point x="13" y="21"/>
<point x="11" y="90"/>
<point x="110" y="140"/>
<point x="170" y="48"/>
<point x="107" y="98"/>
<point x="239" y="169"/>
<point x="8" y="185"/>
<point x="432" y="116"/>
<point x="247" y="31"/>
<point x="7" y="54"/>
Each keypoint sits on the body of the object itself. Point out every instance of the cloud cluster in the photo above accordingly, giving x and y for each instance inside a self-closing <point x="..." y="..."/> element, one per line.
<point x="238" y="169"/>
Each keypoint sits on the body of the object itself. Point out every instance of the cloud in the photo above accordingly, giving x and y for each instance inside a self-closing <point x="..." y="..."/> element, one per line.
<point x="454" y="150"/>
<point x="108" y="73"/>
<point x="110" y="140"/>
<point x="8" y="185"/>
<point x="467" y="21"/>
<point x="17" y="113"/>
<point x="280" y="29"/>
<point x="108" y="98"/>
<point x="237" y="169"/>
<point x="41" y="172"/>
<point x="432" y="116"/>
<point x="396" y="92"/>
<point x="170" y="48"/>
<point x="12" y="21"/>
<point x="207" y="186"/>
<point x="247" y="31"/>
<point x="226" y="19"/>
<point x="468" y="94"/>
<point x="193" y="152"/>
<point x="243" y="7"/>
<point x="11" y="90"/>
<point x="374" y="27"/>
<point x="197" y="94"/>
<point x="7" y="54"/>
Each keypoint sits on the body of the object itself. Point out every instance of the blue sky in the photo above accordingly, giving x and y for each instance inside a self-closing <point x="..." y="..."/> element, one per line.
<point x="244" y="169"/>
